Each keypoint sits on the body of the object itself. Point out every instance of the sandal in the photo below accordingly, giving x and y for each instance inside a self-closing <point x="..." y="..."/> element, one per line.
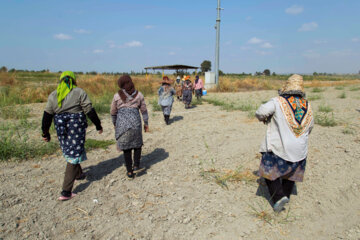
<point x="63" y="198"/>
<point x="130" y="175"/>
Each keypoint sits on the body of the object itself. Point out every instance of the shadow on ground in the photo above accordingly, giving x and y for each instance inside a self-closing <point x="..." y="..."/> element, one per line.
<point x="263" y="191"/>
<point x="102" y="169"/>
<point x="176" y="118"/>
<point x="158" y="155"/>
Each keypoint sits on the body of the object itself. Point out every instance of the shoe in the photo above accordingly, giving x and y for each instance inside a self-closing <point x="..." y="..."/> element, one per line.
<point x="136" y="168"/>
<point x="81" y="177"/>
<point x="279" y="205"/>
<point x="63" y="198"/>
<point x="130" y="175"/>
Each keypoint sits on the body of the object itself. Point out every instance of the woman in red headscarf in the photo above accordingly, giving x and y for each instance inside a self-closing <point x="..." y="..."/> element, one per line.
<point x="127" y="122"/>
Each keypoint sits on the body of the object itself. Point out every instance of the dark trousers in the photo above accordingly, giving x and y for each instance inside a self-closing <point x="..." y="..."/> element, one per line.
<point x="167" y="119"/>
<point x="279" y="188"/>
<point x="128" y="158"/>
<point x="72" y="172"/>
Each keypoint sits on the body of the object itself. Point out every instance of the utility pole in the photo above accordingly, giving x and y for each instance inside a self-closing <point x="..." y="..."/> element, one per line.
<point x="217" y="48"/>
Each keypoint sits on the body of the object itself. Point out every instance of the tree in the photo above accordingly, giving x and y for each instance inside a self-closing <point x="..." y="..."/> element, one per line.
<point x="274" y="74"/>
<point x="3" y="69"/>
<point x="205" y="66"/>
<point x="266" y="72"/>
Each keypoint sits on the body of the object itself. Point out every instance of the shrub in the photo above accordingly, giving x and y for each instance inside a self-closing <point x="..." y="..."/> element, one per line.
<point x="325" y="108"/>
<point x="155" y="106"/>
<point x="325" y="120"/>
<point x="342" y="95"/>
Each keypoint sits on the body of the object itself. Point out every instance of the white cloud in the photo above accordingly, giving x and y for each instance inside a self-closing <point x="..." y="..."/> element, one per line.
<point x="311" y="54"/>
<point x="248" y="18"/>
<point x="308" y="27"/>
<point x="82" y="31"/>
<point x="98" y="51"/>
<point x="133" y="44"/>
<point x="61" y="36"/>
<point x="266" y="45"/>
<point x="228" y="42"/>
<point x="149" y="26"/>
<point x="355" y="40"/>
<point x="172" y="53"/>
<point x="320" y="41"/>
<point x="294" y="10"/>
<point x="255" y="40"/>
<point x="111" y="44"/>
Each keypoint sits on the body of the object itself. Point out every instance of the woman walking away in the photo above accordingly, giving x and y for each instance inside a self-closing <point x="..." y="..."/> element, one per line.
<point x="68" y="105"/>
<point x="187" y="92"/>
<point x="178" y="88"/>
<point x="284" y="150"/>
<point x="198" y="87"/>
<point x="126" y="118"/>
<point x="166" y="98"/>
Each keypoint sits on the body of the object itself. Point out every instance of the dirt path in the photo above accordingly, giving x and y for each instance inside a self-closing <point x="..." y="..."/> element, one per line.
<point x="171" y="199"/>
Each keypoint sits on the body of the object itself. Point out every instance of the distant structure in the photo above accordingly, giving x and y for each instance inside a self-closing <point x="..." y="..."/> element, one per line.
<point x="176" y="67"/>
<point x="217" y="47"/>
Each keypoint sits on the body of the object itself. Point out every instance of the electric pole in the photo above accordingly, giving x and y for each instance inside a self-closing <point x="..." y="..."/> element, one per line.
<point x="217" y="48"/>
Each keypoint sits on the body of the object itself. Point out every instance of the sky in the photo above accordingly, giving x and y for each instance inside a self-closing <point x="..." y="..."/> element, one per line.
<point x="285" y="36"/>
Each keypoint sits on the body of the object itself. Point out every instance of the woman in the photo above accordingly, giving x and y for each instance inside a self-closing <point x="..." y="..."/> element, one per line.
<point x="198" y="87"/>
<point x="285" y="148"/>
<point x="166" y="98"/>
<point x="69" y="105"/>
<point x="127" y="122"/>
<point x="178" y="88"/>
<point x="187" y="92"/>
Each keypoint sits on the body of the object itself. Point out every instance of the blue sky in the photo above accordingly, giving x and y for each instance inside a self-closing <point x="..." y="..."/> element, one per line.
<point x="285" y="36"/>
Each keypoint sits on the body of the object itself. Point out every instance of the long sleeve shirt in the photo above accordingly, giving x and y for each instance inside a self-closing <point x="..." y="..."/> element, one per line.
<point x="283" y="137"/>
<point x="75" y="102"/>
<point x="137" y="102"/>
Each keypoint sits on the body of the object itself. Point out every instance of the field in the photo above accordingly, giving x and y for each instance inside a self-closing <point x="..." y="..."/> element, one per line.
<point x="199" y="178"/>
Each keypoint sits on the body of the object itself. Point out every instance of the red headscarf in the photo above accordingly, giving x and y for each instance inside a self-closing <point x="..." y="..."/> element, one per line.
<point x="125" y="83"/>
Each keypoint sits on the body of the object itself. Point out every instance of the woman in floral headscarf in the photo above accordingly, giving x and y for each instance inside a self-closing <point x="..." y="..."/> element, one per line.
<point x="284" y="150"/>
<point x="127" y="122"/>
<point x="69" y="105"/>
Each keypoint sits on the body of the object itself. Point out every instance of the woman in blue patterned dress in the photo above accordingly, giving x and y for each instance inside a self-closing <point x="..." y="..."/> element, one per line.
<point x="68" y="105"/>
<point x="285" y="147"/>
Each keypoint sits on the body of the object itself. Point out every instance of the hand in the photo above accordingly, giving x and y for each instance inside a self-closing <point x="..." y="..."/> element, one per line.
<point x="100" y="131"/>
<point x="146" y="128"/>
<point x="46" y="137"/>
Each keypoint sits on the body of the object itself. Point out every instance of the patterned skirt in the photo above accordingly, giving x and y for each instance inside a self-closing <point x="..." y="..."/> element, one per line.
<point x="166" y="109"/>
<point x="273" y="167"/>
<point x="128" y="129"/>
<point x="71" y="131"/>
<point x="187" y="96"/>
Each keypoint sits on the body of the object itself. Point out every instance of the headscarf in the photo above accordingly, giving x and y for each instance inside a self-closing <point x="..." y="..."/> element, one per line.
<point x="67" y="83"/>
<point x="196" y="79"/>
<point x="293" y="86"/>
<point x="126" y="84"/>
<point x="166" y="84"/>
<point x="178" y="79"/>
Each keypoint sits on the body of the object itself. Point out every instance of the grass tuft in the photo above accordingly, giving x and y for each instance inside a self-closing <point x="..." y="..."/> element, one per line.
<point x="342" y="95"/>
<point x="325" y="108"/>
<point x="314" y="97"/>
<point x="323" y="119"/>
<point x="91" y="144"/>
<point x="155" y="106"/>
<point x="317" y="90"/>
